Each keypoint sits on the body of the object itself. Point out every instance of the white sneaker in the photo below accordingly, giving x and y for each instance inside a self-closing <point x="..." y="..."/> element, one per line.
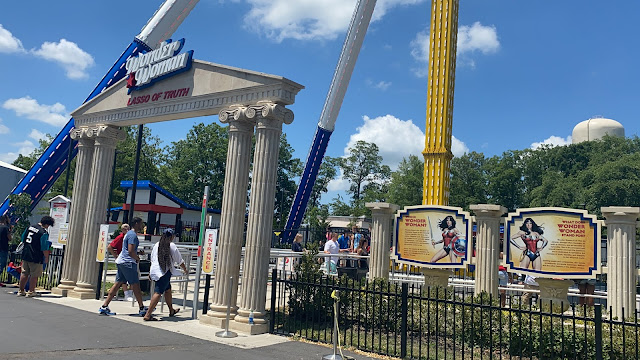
<point x="128" y="295"/>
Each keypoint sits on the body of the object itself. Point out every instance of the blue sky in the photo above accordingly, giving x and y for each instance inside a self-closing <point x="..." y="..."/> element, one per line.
<point x="528" y="71"/>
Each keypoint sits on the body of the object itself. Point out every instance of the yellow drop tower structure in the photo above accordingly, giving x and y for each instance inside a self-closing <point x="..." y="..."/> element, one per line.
<point x="442" y="70"/>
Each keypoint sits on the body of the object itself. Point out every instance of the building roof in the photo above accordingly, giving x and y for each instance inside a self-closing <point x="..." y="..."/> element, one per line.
<point x="147" y="184"/>
<point x="9" y="166"/>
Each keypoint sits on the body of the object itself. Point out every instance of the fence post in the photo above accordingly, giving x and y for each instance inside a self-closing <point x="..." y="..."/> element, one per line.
<point x="274" y="290"/>
<point x="597" y="319"/>
<point x="403" y="326"/>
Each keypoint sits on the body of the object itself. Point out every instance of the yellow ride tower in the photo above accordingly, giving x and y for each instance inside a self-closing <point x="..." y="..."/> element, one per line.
<point x="442" y="70"/>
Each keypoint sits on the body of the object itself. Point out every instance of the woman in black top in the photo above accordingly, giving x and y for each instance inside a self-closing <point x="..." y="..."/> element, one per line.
<point x="297" y="243"/>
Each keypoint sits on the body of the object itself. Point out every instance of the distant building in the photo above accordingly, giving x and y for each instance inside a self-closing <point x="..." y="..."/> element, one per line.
<point x="596" y="128"/>
<point x="11" y="176"/>
<point x="160" y="209"/>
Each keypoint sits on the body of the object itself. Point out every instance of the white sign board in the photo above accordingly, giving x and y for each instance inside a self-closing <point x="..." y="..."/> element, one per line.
<point x="209" y="251"/>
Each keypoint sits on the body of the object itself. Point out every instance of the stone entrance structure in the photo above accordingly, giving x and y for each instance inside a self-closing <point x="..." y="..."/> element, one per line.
<point x="247" y="101"/>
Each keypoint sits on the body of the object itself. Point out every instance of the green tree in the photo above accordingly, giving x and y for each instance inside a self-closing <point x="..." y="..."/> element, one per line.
<point x="368" y="178"/>
<point x="289" y="168"/>
<point x="327" y="172"/>
<point x="505" y="185"/>
<point x="339" y="207"/>
<point x="406" y="183"/>
<point x="468" y="184"/>
<point x="151" y="157"/>
<point x="19" y="211"/>
<point x="196" y="161"/>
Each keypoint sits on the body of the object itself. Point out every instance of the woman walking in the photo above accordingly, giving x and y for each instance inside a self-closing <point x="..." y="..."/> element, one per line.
<point x="163" y="257"/>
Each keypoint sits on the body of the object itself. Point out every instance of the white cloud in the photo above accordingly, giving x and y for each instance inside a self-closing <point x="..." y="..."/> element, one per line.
<point x="478" y="37"/>
<point x="55" y="114"/>
<point x="68" y="55"/>
<point x="8" y="42"/>
<point x="471" y="39"/>
<point x="3" y="128"/>
<point x="396" y="139"/>
<point x="308" y="19"/>
<point x="37" y="135"/>
<point x="382" y="85"/>
<point x="24" y="148"/>
<point x="553" y="141"/>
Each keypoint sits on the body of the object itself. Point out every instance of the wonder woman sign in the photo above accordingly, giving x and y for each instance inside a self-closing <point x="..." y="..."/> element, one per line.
<point x="432" y="236"/>
<point x="553" y="242"/>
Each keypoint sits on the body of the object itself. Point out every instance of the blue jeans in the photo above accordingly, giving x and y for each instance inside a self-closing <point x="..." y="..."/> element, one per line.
<point x="127" y="273"/>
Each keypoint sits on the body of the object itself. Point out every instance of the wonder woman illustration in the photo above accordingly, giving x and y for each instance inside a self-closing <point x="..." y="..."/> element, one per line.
<point x="449" y="237"/>
<point x="531" y="235"/>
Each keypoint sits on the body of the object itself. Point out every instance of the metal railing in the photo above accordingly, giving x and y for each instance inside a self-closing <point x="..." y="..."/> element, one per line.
<point x="50" y="277"/>
<point x="415" y="322"/>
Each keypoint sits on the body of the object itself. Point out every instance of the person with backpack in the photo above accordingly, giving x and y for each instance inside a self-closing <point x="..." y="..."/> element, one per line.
<point x="35" y="253"/>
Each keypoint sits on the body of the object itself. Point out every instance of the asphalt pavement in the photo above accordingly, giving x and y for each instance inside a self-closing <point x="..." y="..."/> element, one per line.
<point x="36" y="329"/>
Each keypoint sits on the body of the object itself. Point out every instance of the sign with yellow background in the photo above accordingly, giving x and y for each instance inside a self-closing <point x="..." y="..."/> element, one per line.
<point x="209" y="251"/>
<point x="432" y="236"/>
<point x="103" y="242"/>
<point x="553" y="243"/>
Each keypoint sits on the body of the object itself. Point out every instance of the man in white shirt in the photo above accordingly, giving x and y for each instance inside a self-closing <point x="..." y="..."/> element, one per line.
<point x="332" y="247"/>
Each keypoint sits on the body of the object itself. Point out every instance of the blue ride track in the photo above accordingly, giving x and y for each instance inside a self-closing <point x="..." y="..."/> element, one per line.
<point x="53" y="161"/>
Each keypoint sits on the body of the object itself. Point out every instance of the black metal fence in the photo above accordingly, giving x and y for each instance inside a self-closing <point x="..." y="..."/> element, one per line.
<point x="50" y="277"/>
<point x="415" y="322"/>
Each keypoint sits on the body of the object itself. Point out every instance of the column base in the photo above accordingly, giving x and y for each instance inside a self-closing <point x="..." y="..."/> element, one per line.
<point x="254" y="329"/>
<point x="60" y="291"/>
<point x="82" y="293"/>
<point x="220" y="311"/>
<point x="436" y="277"/>
<point x="259" y="318"/>
<point x="214" y="320"/>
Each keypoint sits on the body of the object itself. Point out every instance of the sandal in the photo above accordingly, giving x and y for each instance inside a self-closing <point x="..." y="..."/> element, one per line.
<point x="151" y="319"/>
<point x="175" y="311"/>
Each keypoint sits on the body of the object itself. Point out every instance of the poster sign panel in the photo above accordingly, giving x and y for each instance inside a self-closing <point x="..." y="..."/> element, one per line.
<point x="553" y="243"/>
<point x="432" y="236"/>
<point x="103" y="242"/>
<point x="63" y="234"/>
<point x="209" y="251"/>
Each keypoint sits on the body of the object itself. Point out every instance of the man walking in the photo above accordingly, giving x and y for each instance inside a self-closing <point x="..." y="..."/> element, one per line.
<point x="127" y="263"/>
<point x="35" y="251"/>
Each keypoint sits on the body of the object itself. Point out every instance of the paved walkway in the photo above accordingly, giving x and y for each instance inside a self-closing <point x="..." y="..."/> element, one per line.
<point x="49" y="327"/>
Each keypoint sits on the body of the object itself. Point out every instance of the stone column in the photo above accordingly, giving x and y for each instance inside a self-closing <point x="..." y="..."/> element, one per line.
<point x="269" y="120"/>
<point x="234" y="203"/>
<point x="106" y="138"/>
<point x="381" y="235"/>
<point x="488" y="247"/>
<point x="621" y="259"/>
<point x="84" y="159"/>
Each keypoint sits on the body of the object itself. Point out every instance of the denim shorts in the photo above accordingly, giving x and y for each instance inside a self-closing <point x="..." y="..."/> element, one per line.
<point x="163" y="284"/>
<point x="127" y="273"/>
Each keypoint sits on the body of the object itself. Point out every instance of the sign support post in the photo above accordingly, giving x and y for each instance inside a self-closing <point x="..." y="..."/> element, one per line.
<point x="203" y="228"/>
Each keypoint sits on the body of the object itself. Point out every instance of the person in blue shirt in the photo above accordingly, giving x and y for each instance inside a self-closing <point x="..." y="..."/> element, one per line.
<point x="344" y="241"/>
<point x="127" y="264"/>
<point x="34" y="254"/>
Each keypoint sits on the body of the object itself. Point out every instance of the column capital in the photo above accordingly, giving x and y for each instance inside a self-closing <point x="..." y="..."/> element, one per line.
<point x="488" y="210"/>
<point x="270" y="111"/>
<point x="381" y="207"/>
<point x="235" y="116"/>
<point x="620" y="214"/>
<point x="105" y="135"/>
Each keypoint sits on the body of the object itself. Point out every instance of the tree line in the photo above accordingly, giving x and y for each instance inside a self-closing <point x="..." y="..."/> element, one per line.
<point x="587" y="175"/>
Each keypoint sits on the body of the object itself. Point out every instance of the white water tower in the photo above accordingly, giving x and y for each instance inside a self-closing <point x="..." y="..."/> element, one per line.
<point x="596" y="128"/>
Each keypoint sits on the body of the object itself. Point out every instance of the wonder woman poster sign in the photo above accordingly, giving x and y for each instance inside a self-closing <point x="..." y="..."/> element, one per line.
<point x="432" y="236"/>
<point x="553" y="243"/>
